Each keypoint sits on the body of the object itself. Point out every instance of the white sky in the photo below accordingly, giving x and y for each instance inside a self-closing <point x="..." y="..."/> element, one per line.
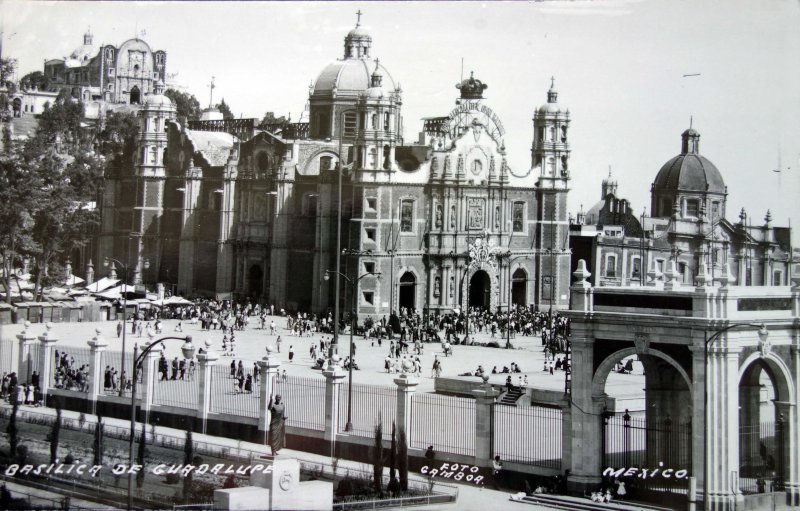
<point x="618" y="64"/>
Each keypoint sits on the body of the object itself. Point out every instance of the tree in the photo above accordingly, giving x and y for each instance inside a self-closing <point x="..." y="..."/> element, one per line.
<point x="55" y="433"/>
<point x="140" y="457"/>
<point x="7" y="68"/>
<point x="188" y="456"/>
<point x="402" y="463"/>
<point x="35" y="79"/>
<point x="186" y="105"/>
<point x="269" y="118"/>
<point x="117" y="140"/>
<point x="377" y="458"/>
<point x="98" y="441"/>
<point x="11" y="429"/>
<point x="394" y="486"/>
<point x="224" y="109"/>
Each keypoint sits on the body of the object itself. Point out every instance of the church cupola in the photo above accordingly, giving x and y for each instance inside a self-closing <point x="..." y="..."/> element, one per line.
<point x="552" y="94"/>
<point x="690" y="142"/>
<point x="609" y="186"/>
<point x="472" y="88"/>
<point x="377" y="76"/>
<point x="357" y="42"/>
<point x="87" y="38"/>
<point x="551" y="151"/>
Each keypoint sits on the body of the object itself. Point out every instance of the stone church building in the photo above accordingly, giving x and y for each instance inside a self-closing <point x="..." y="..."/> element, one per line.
<point x="234" y="209"/>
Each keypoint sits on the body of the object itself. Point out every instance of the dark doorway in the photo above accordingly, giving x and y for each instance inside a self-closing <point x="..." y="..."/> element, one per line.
<point x="136" y="96"/>
<point x="479" y="289"/>
<point x="519" y="294"/>
<point x="255" y="281"/>
<point x="408" y="287"/>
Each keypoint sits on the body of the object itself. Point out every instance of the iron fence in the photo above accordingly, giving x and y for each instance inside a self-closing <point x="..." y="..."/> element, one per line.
<point x="71" y="369"/>
<point x="648" y="442"/>
<point x="528" y="434"/>
<point x="445" y="422"/>
<point x="182" y="392"/>
<point x="111" y="367"/>
<point x="762" y="451"/>
<point x="304" y="399"/>
<point x="234" y="389"/>
<point x="371" y="403"/>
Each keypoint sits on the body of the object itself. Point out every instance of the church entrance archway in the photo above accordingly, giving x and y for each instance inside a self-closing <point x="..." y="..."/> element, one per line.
<point x="136" y="96"/>
<point x="480" y="290"/>
<point x="408" y="288"/>
<point x="255" y="280"/>
<point x="763" y="430"/>
<point x="519" y="291"/>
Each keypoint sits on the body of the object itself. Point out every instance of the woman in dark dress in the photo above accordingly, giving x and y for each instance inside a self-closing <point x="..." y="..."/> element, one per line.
<point x="277" y="428"/>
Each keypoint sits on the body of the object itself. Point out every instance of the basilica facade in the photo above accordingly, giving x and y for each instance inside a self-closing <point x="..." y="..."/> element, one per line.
<point x="234" y="209"/>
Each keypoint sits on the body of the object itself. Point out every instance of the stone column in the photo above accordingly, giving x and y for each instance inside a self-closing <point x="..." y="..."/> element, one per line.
<point x="484" y="422"/>
<point x="25" y="338"/>
<point x="581" y="296"/>
<point x="788" y="412"/>
<point x="97" y="344"/>
<point x="46" y="367"/>
<point x="586" y="418"/>
<point x="406" y="386"/>
<point x="268" y="371"/>
<point x="146" y="391"/>
<point x="206" y="361"/>
<point x="334" y="377"/>
<point x="722" y="429"/>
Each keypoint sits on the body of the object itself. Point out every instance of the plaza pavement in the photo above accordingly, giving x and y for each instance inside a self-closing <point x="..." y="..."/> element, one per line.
<point x="251" y="345"/>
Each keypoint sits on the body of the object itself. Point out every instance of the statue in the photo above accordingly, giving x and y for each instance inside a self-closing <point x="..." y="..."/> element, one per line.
<point x="453" y="216"/>
<point x="439" y="216"/>
<point x="497" y="217"/>
<point x="277" y="426"/>
<point x="437" y="287"/>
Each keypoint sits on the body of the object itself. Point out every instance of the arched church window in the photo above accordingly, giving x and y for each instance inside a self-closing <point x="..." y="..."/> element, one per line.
<point x="406" y="215"/>
<point x="518" y="216"/>
<point x="373" y="158"/>
<point x="153" y="155"/>
<point x="386" y="121"/>
<point x="552" y="135"/>
<point x="551" y="166"/>
<point x="386" y="153"/>
<point x="374" y="121"/>
<point x="350" y="124"/>
<point x="692" y="207"/>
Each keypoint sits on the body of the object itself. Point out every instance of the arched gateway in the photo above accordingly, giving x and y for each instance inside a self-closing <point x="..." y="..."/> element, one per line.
<point x="718" y="407"/>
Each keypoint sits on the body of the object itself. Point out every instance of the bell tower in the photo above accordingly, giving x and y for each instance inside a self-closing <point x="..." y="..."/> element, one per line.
<point x="550" y="153"/>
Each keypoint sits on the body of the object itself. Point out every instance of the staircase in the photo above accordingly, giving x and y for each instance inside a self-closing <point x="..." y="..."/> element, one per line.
<point x="584" y="504"/>
<point x="511" y="397"/>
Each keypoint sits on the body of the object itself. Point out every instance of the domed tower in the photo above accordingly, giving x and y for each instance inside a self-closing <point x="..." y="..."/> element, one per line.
<point x="154" y="114"/>
<point x="689" y="185"/>
<point x="550" y="142"/>
<point x="609" y="186"/>
<point x="356" y="99"/>
<point x="551" y="166"/>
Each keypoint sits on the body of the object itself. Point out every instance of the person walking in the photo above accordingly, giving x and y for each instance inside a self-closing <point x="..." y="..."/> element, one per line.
<point x="291" y="353"/>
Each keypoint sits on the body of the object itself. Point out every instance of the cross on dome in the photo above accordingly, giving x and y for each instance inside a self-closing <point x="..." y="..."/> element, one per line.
<point x="358" y="21"/>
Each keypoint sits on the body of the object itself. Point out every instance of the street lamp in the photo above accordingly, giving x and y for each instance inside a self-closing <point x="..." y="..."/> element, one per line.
<point x="353" y="283"/>
<point x="763" y="333"/>
<point x="188" y="352"/>
<point x="111" y="261"/>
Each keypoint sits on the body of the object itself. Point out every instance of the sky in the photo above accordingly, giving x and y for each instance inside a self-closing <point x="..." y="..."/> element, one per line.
<point x="619" y="66"/>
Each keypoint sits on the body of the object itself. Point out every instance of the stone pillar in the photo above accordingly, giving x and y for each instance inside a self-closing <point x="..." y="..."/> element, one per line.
<point x="581" y="296"/>
<point x="334" y="377"/>
<point x="206" y="361"/>
<point x="406" y="386"/>
<point x="587" y="420"/>
<point x="484" y="422"/>
<point x="97" y="344"/>
<point x="146" y="391"/>
<point x="267" y="372"/>
<point x="46" y="367"/>
<point x="566" y="433"/>
<point x="698" y="414"/>
<point x="792" y="417"/>
<point x="722" y="429"/>
<point x="25" y="338"/>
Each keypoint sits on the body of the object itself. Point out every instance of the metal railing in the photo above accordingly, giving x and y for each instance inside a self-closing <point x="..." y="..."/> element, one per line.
<point x="305" y="401"/>
<point x="372" y="402"/>
<point x="230" y="392"/>
<point x="445" y="422"/>
<point x="529" y="435"/>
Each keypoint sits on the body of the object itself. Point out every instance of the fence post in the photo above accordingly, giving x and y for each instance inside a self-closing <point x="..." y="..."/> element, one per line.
<point x="97" y="344"/>
<point x="406" y="386"/>
<point x="206" y="361"/>
<point x="25" y="340"/>
<point x="46" y="367"/>
<point x="268" y="371"/>
<point x="147" y="389"/>
<point x="334" y="377"/>
<point x="484" y="422"/>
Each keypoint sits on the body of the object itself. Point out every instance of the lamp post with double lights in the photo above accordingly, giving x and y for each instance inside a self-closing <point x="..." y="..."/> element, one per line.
<point x="188" y="352"/>
<point x="111" y="261"/>
<point x="353" y="283"/>
<point x="763" y="333"/>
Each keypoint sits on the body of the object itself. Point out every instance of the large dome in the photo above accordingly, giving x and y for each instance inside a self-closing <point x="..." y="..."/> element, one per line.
<point x="689" y="171"/>
<point x="350" y="76"/>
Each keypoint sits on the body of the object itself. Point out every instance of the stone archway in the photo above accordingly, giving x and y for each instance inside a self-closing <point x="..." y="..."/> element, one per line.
<point x="135" y="96"/>
<point x="519" y="288"/>
<point x="494" y="285"/>
<point x="407" y="292"/>
<point x="480" y="288"/>
<point x="255" y="281"/>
